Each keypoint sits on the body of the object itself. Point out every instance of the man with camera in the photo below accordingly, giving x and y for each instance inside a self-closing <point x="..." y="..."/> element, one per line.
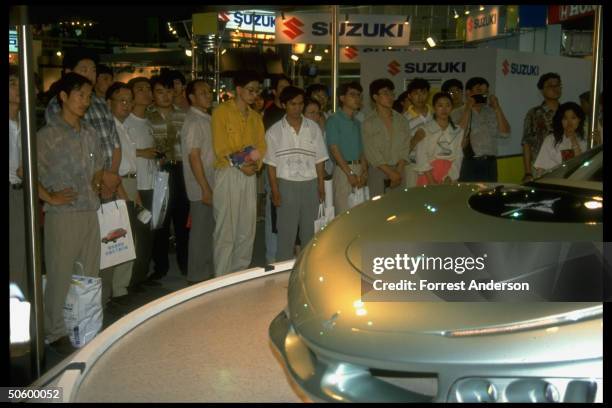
<point x="483" y="120"/>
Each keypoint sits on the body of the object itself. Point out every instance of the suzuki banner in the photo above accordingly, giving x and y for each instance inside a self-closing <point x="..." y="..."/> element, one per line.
<point x="257" y="21"/>
<point x="483" y="25"/>
<point x="362" y="29"/>
<point x="351" y="53"/>
<point x="512" y="76"/>
<point x="560" y="13"/>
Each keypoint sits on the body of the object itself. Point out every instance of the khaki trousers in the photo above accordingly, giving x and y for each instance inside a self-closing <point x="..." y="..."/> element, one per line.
<point x="234" y="211"/>
<point x="342" y="187"/>
<point x="72" y="246"/>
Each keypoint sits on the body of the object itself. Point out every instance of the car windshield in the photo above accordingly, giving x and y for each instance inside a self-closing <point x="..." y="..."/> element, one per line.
<point x="586" y="167"/>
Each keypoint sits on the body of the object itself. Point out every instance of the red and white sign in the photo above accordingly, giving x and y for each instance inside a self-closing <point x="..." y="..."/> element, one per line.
<point x="560" y="13"/>
<point x="361" y="29"/>
<point x="483" y="25"/>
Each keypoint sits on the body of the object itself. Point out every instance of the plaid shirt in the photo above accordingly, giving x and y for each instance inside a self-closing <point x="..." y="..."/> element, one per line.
<point x="99" y="116"/>
<point x="167" y="131"/>
<point x="537" y="125"/>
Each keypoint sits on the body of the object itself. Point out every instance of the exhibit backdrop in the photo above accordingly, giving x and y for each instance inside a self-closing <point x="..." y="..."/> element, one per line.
<point x="512" y="76"/>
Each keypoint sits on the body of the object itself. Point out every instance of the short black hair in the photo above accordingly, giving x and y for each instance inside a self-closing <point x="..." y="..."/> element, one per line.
<point x="442" y="95"/>
<point x="191" y="87"/>
<point x="379" y="84"/>
<point x="418" y="83"/>
<point x="176" y="74"/>
<point x="277" y="78"/>
<point x="558" y="120"/>
<point x="115" y="87"/>
<point x="68" y="83"/>
<point x="585" y="96"/>
<point x="310" y="101"/>
<point x="289" y="93"/>
<point x="14" y="71"/>
<point x="132" y="82"/>
<point x="163" y="80"/>
<point x="73" y="56"/>
<point x="450" y="83"/>
<point x="103" y="69"/>
<point x="472" y="82"/>
<point x="242" y="78"/>
<point x="344" y="88"/>
<point x="315" y="88"/>
<point x="546" y="77"/>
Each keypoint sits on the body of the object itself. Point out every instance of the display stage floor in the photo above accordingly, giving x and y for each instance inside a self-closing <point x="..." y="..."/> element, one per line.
<point x="211" y="347"/>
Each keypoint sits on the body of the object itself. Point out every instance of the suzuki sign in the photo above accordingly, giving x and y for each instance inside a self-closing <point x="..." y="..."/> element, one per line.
<point x="248" y="20"/>
<point x="388" y="30"/>
<point x="483" y="25"/>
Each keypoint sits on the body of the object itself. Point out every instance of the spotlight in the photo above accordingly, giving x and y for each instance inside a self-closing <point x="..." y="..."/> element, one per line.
<point x="326" y="51"/>
<point x="431" y="42"/>
<point x="59" y="53"/>
<point x="424" y="48"/>
<point x="188" y="53"/>
<point x="295" y="57"/>
<point x="389" y="48"/>
<point x="318" y="58"/>
<point x="467" y="12"/>
<point x="346" y="19"/>
<point x="481" y="8"/>
<point x="223" y="51"/>
<point x="456" y="14"/>
<point x="407" y="20"/>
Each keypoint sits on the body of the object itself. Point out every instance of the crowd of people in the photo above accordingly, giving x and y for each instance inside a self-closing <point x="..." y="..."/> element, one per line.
<point x="104" y="140"/>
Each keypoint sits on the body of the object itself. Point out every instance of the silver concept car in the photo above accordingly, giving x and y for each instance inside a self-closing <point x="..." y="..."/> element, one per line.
<point x="337" y="347"/>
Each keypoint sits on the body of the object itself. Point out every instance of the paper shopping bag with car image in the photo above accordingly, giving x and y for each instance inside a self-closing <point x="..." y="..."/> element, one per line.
<point x="244" y="157"/>
<point x="116" y="239"/>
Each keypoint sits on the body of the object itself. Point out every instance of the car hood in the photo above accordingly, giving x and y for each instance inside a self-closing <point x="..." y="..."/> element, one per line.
<point x="325" y="288"/>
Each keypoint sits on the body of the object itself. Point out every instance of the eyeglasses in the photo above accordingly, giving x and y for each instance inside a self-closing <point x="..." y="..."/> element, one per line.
<point x="254" y="91"/>
<point x="123" y="101"/>
<point x="386" y="93"/>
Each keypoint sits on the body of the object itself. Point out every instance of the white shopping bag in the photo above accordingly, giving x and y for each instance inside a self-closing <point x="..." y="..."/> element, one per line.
<point x="83" y="309"/>
<point x="329" y="193"/>
<point x="116" y="239"/>
<point x="160" y="198"/>
<point x="358" y="196"/>
<point x="324" y="217"/>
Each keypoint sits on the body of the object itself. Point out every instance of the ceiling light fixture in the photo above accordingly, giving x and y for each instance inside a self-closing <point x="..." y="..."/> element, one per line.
<point x="294" y="57"/>
<point x="188" y="53"/>
<point x="456" y="14"/>
<point x="346" y="19"/>
<point x="431" y="41"/>
<point x="318" y="58"/>
<point x="481" y="8"/>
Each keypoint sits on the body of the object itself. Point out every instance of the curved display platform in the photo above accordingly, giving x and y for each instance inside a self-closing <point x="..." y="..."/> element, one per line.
<point x="205" y="343"/>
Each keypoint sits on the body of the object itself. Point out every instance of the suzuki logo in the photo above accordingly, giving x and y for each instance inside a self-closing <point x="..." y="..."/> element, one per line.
<point x="393" y="68"/>
<point x="293" y="28"/>
<point x="505" y="67"/>
<point x="350" y="52"/>
<point x="223" y="17"/>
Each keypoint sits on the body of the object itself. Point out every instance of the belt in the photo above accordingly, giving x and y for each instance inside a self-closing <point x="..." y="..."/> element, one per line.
<point x="173" y="162"/>
<point x="483" y="157"/>
<point x="353" y="161"/>
<point x="129" y="175"/>
<point x="17" y="186"/>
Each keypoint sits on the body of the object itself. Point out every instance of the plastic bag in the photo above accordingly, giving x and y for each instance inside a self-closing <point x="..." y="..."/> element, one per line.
<point x="358" y="196"/>
<point x="160" y="198"/>
<point x="83" y="309"/>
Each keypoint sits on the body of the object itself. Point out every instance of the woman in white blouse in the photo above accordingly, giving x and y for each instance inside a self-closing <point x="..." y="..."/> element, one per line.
<point x="439" y="154"/>
<point x="566" y="141"/>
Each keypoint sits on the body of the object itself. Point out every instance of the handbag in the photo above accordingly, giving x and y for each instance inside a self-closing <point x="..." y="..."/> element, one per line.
<point x="324" y="216"/>
<point x="161" y="195"/>
<point x="358" y="196"/>
<point x="83" y="309"/>
<point x="116" y="239"/>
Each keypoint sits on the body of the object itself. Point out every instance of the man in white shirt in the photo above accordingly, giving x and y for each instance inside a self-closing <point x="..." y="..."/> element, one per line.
<point x="120" y="100"/>
<point x="419" y="113"/>
<point x="199" y="174"/>
<point x="295" y="158"/>
<point x="140" y="131"/>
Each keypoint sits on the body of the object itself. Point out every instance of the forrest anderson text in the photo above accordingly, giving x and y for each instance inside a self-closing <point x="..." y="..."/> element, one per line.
<point x="424" y="284"/>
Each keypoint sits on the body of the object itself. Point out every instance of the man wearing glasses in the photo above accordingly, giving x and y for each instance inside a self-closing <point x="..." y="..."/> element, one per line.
<point x="346" y="146"/>
<point x="454" y="88"/>
<point x="235" y="126"/>
<point x="538" y="120"/>
<point x="386" y="140"/>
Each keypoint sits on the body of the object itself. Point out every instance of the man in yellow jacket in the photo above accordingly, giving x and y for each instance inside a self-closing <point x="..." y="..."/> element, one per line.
<point x="236" y="126"/>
